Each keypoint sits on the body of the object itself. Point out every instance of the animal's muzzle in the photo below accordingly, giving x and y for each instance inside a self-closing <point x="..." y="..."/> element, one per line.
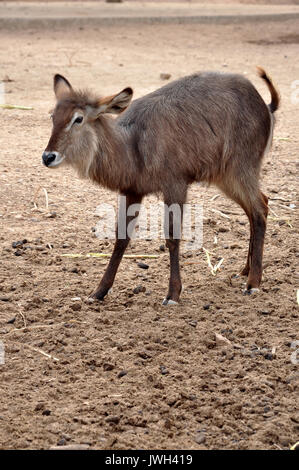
<point x="48" y="158"/>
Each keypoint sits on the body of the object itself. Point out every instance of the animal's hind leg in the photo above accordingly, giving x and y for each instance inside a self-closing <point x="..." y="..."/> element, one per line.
<point x="245" y="270"/>
<point x="238" y="195"/>
<point x="264" y="199"/>
<point x="255" y="205"/>
<point x="259" y="222"/>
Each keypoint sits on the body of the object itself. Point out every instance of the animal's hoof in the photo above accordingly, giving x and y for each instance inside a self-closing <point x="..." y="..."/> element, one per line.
<point x="94" y="298"/>
<point x="169" y="302"/>
<point x="253" y="290"/>
<point x="100" y="294"/>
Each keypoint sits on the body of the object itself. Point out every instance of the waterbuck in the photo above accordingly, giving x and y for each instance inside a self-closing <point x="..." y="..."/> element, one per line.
<point x="208" y="127"/>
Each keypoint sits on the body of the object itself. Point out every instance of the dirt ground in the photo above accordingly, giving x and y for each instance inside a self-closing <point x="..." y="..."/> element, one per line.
<point x="131" y="373"/>
<point x="262" y="2"/>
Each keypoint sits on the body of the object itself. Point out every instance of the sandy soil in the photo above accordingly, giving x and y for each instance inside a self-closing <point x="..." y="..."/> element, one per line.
<point x="132" y="373"/>
<point x="261" y="2"/>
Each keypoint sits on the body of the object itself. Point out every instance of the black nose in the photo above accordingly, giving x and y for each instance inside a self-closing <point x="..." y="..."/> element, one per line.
<point x="48" y="158"/>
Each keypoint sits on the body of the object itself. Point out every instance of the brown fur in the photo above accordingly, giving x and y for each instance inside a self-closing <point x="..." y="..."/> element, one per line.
<point x="208" y="127"/>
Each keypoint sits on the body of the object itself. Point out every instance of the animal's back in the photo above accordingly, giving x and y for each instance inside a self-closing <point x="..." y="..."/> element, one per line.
<point x="198" y="123"/>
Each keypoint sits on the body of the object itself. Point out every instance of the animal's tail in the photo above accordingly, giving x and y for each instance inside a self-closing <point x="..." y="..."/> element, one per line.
<point x="273" y="106"/>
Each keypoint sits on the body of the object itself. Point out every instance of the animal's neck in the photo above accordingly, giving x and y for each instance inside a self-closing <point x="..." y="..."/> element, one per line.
<point x="112" y="165"/>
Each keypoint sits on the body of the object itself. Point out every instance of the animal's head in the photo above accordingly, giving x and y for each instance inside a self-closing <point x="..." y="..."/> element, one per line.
<point x="78" y="124"/>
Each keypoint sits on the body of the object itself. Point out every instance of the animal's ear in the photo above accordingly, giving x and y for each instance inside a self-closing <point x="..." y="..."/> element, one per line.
<point x="62" y="86"/>
<point x="115" y="104"/>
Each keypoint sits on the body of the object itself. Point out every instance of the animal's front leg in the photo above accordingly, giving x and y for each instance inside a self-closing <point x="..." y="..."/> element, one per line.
<point x="175" y="284"/>
<point x="121" y="243"/>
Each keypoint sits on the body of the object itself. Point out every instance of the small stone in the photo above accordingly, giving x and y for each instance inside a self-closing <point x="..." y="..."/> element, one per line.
<point x="193" y="323"/>
<point x="163" y="370"/>
<point x="162" y="247"/>
<point x="221" y="340"/>
<point x="265" y="312"/>
<point x="39" y="247"/>
<point x="17" y="244"/>
<point x="144" y="355"/>
<point x="200" y="438"/>
<point x="18" y="253"/>
<point x="108" y="367"/>
<point x="76" y="307"/>
<point x="269" y="356"/>
<point x="122" y="373"/>
<point x="171" y="400"/>
<point x="165" y="76"/>
<point x="46" y="412"/>
<point x="12" y="319"/>
<point x="113" y="419"/>
<point x="61" y="442"/>
<point x="142" y="265"/>
<point x="295" y="416"/>
<point x="206" y="307"/>
<point x="39" y="407"/>
<point x="167" y="423"/>
<point x="51" y="215"/>
<point x="139" y="289"/>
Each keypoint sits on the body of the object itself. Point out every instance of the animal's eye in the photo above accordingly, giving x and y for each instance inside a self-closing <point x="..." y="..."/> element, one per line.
<point x="78" y="120"/>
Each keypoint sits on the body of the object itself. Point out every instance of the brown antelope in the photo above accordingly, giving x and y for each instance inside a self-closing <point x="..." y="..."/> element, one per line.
<point x="209" y="127"/>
